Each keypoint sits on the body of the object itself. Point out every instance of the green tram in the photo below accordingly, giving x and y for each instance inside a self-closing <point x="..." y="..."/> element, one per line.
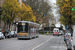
<point x="27" y="29"/>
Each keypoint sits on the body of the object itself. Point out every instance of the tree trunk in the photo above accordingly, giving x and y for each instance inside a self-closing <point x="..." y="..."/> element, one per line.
<point x="9" y="27"/>
<point x="6" y="26"/>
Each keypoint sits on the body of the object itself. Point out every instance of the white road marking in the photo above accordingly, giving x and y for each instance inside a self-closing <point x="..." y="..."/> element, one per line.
<point x="41" y="44"/>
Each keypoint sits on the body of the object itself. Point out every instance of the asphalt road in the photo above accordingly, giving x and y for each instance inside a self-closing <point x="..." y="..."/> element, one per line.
<point x="44" y="42"/>
<point x="55" y="43"/>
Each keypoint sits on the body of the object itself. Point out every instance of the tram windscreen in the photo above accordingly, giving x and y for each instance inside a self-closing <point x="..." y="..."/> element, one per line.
<point x="23" y="27"/>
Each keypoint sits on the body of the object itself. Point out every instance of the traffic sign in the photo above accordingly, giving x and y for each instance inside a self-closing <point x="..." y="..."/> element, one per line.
<point x="44" y="14"/>
<point x="67" y="26"/>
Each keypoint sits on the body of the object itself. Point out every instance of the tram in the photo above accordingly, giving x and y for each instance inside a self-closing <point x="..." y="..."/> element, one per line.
<point x="27" y="29"/>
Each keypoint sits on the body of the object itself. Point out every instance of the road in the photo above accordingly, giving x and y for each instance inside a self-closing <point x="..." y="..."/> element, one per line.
<point x="44" y="42"/>
<point x="55" y="43"/>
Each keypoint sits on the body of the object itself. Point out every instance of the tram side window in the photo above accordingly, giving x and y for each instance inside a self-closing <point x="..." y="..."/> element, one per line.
<point x="26" y="27"/>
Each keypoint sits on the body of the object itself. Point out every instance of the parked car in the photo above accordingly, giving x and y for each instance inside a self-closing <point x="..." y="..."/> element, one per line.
<point x="61" y="32"/>
<point x="13" y="34"/>
<point x="69" y="41"/>
<point x="65" y="35"/>
<point x="1" y="35"/>
<point x="7" y="34"/>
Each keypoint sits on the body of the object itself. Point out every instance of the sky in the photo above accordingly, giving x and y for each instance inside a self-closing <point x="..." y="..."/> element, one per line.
<point x="52" y="2"/>
<point x="54" y="10"/>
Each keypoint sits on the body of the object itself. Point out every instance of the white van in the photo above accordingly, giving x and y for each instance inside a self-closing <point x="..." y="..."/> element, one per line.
<point x="56" y="31"/>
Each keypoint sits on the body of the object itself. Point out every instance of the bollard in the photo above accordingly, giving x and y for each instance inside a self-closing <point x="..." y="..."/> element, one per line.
<point x="47" y="32"/>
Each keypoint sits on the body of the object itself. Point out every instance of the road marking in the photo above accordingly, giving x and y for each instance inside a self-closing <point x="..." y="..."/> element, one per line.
<point x="41" y="44"/>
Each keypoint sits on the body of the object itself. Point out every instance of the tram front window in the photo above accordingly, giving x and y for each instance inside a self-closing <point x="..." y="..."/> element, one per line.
<point x="23" y="28"/>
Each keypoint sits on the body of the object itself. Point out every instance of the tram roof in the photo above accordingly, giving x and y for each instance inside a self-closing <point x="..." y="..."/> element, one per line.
<point x="29" y="22"/>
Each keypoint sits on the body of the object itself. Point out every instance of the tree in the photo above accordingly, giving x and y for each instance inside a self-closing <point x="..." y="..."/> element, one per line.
<point x="26" y="13"/>
<point x="39" y="7"/>
<point x="10" y="9"/>
<point x="53" y="25"/>
<point x="65" y="11"/>
<point x="73" y="12"/>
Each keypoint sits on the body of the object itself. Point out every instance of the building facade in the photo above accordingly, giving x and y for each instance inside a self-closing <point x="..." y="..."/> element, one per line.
<point x="20" y="2"/>
<point x="0" y="11"/>
<point x="1" y="23"/>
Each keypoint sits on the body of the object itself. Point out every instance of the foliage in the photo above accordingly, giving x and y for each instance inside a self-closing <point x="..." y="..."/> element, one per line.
<point x="66" y="14"/>
<point x="26" y="13"/>
<point x="53" y="25"/>
<point x="10" y="9"/>
<point x="39" y="7"/>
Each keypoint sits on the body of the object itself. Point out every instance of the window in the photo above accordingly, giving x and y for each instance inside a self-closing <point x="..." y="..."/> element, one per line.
<point x="23" y="28"/>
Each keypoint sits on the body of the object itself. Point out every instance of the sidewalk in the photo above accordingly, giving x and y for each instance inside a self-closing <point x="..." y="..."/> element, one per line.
<point x="73" y="42"/>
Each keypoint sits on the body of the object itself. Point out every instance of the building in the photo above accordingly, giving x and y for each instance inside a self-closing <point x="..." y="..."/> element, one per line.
<point x="0" y="11"/>
<point x="1" y="23"/>
<point x="1" y="1"/>
<point x="20" y="2"/>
